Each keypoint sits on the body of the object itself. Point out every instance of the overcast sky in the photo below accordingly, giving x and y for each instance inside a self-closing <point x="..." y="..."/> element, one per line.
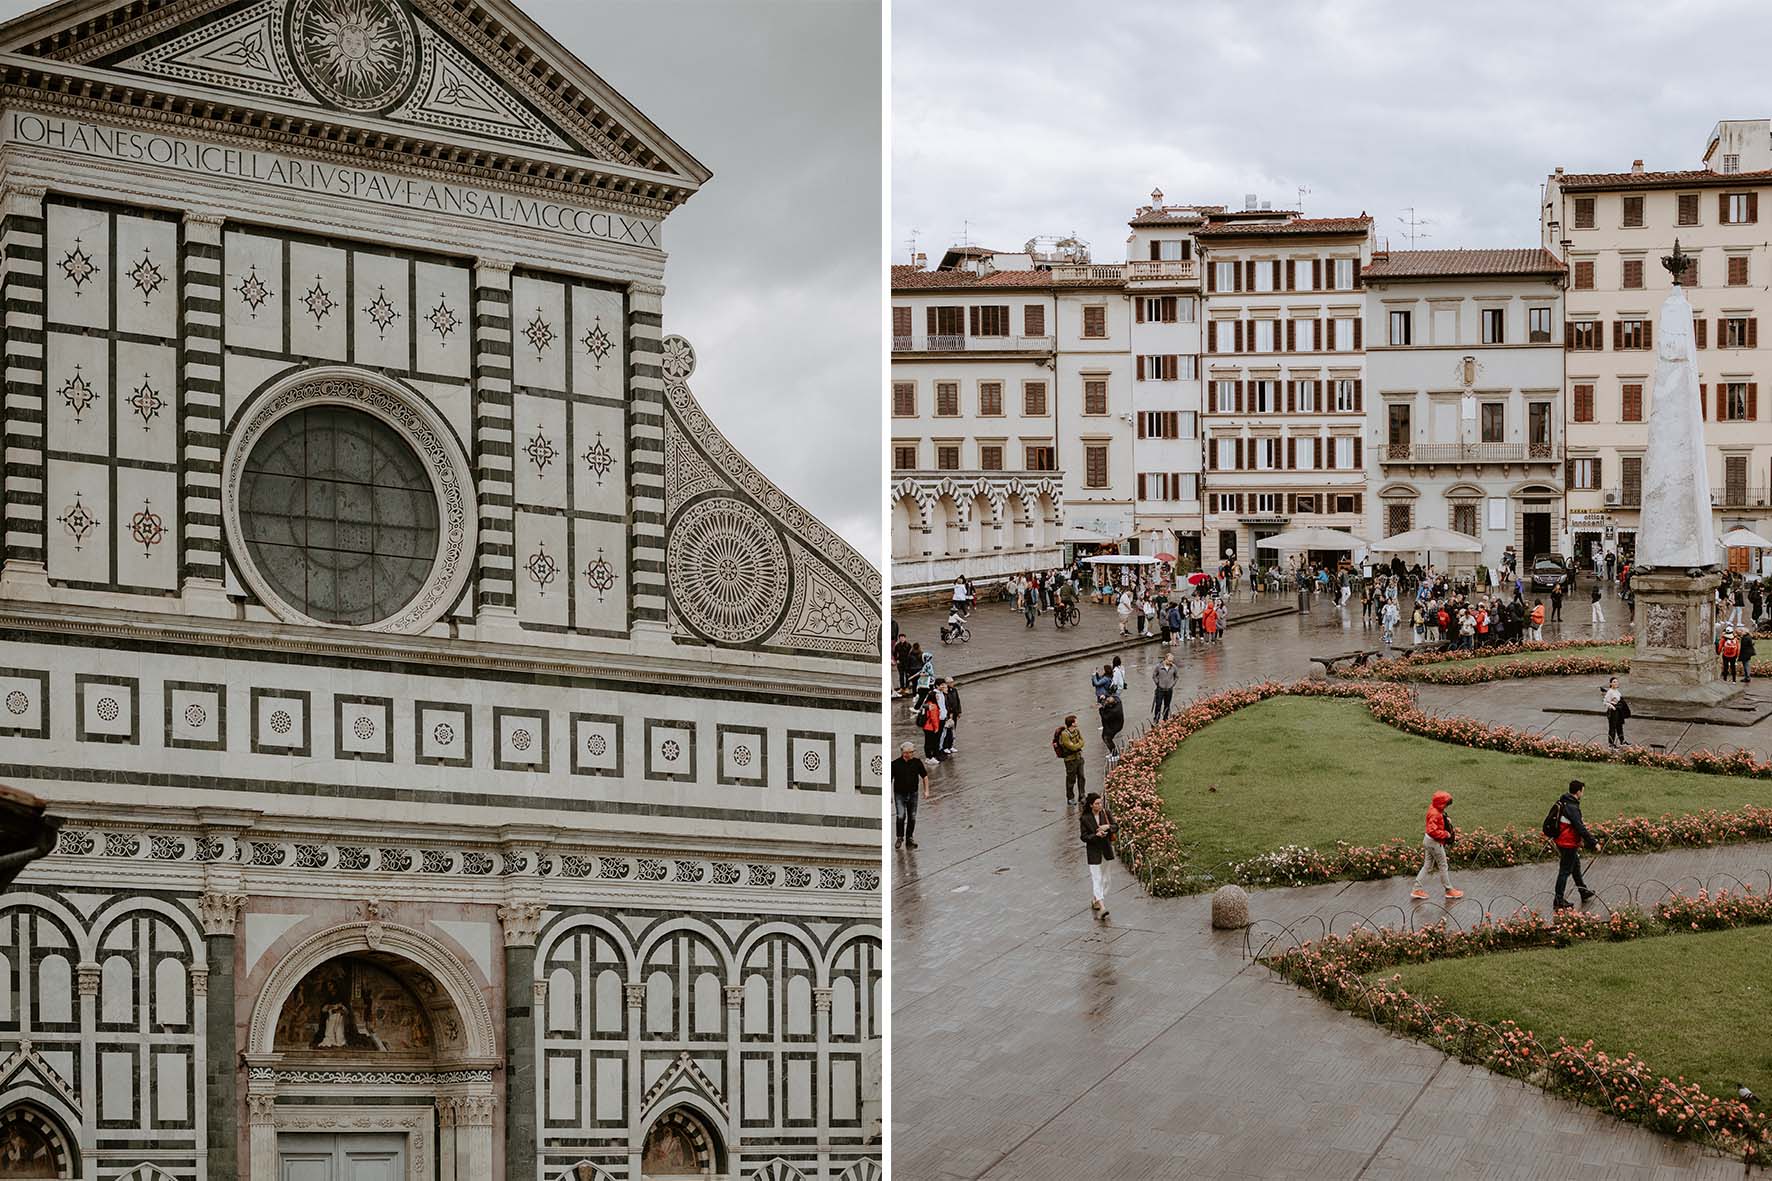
<point x="774" y="271"/>
<point x="1028" y="117"/>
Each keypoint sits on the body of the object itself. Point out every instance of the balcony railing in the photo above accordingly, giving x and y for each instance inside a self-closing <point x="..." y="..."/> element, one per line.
<point x="1468" y="452"/>
<point x="972" y="344"/>
<point x="1623" y="497"/>
<point x="1728" y="496"/>
<point x="1089" y="273"/>
<point x="1168" y="268"/>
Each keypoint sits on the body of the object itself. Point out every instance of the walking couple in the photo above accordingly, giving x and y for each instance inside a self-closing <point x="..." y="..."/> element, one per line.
<point x="1562" y="825"/>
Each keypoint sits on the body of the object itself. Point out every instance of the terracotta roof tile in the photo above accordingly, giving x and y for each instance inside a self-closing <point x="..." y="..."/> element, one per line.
<point x="905" y="278"/>
<point x="1295" y="226"/>
<point x="1690" y="178"/>
<point x="1446" y="264"/>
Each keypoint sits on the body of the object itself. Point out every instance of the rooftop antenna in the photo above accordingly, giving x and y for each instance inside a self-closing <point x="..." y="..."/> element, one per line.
<point x="1413" y="224"/>
<point x="1303" y="192"/>
<point x="911" y="243"/>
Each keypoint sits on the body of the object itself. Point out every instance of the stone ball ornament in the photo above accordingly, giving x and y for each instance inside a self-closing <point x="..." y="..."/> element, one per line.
<point x="1230" y="908"/>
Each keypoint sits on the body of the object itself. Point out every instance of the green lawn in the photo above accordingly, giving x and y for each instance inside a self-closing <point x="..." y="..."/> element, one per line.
<point x="1692" y="1005"/>
<point x="1604" y="651"/>
<point x="1311" y="771"/>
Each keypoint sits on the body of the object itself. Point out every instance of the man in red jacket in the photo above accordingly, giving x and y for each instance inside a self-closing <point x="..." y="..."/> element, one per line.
<point x="1572" y="835"/>
<point x="1440" y="834"/>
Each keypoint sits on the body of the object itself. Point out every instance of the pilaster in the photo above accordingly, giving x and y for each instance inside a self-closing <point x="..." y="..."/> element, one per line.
<point x="25" y="572"/>
<point x="646" y="494"/>
<point x="219" y="913"/>
<point x="200" y="423"/>
<point x="821" y="1093"/>
<point x="521" y="920"/>
<point x="495" y="595"/>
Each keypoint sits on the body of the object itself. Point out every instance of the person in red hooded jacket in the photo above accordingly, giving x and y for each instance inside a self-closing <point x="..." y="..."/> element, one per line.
<point x="1440" y="835"/>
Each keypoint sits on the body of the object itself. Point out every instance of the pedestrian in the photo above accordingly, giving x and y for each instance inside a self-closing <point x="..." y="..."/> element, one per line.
<point x="1572" y="836"/>
<point x="1537" y="621"/>
<point x="1125" y="609"/>
<point x="1177" y="621"/>
<point x="1617" y="710"/>
<point x="1598" y="616"/>
<point x="1556" y="612"/>
<point x="1148" y="625"/>
<point x="1096" y="827"/>
<point x="959" y="595"/>
<point x="1438" y="838"/>
<point x="952" y="693"/>
<point x="1209" y="622"/>
<point x="908" y="774"/>
<point x="1747" y="656"/>
<point x="923" y="684"/>
<point x="1113" y="720"/>
<point x="932" y="722"/>
<point x="1389" y="619"/>
<point x="1164" y="677"/>
<point x="1168" y="632"/>
<point x="1067" y="744"/>
<point x="1729" y="648"/>
<point x="1102" y="682"/>
<point x="1117" y="671"/>
<point x="1030" y="603"/>
<point x="906" y="667"/>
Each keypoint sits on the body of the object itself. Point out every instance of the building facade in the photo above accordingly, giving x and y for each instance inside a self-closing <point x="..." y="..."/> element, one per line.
<point x="1464" y="372"/>
<point x="1284" y="419"/>
<point x="469" y="763"/>
<point x="1612" y="230"/>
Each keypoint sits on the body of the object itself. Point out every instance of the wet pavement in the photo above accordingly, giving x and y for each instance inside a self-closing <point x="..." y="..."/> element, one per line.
<point x="1032" y="1041"/>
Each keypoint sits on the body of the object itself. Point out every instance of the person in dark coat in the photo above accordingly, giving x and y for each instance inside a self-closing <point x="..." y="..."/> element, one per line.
<point x="1113" y="720"/>
<point x="1572" y="836"/>
<point x="1097" y="833"/>
<point x="953" y="722"/>
<point x="1747" y="655"/>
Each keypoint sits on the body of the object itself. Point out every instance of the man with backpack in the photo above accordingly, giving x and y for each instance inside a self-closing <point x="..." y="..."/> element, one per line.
<point x="1729" y="648"/>
<point x="1067" y="744"/>
<point x="1564" y="827"/>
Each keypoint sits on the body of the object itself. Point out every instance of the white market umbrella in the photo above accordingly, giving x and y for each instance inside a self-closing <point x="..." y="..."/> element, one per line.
<point x="1427" y="539"/>
<point x="1743" y="539"/>
<point x="1121" y="560"/>
<point x="1314" y="537"/>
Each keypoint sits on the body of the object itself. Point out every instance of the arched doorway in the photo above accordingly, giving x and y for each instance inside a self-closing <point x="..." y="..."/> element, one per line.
<point x="402" y="1035"/>
<point x="906" y="528"/>
<point x="681" y="1143"/>
<point x="34" y="1144"/>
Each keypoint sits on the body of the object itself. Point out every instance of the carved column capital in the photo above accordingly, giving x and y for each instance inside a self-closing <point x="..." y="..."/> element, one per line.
<point x="521" y="920"/>
<point x="491" y="267"/>
<point x="821" y="1000"/>
<point x="636" y="995"/>
<point x="734" y="996"/>
<point x="206" y="220"/>
<point x="199" y="981"/>
<point x="261" y="1109"/>
<point x="446" y="1110"/>
<point x="220" y="911"/>
<point x="475" y="1110"/>
<point x="86" y="978"/>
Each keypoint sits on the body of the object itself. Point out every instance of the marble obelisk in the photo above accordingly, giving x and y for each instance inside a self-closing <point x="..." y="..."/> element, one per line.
<point x="1674" y="575"/>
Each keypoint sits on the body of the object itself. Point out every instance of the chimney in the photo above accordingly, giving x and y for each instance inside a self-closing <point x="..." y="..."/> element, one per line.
<point x="1156" y="198"/>
<point x="920" y="260"/>
<point x="1636" y="168"/>
<point x="1248" y="200"/>
<point x="1559" y="170"/>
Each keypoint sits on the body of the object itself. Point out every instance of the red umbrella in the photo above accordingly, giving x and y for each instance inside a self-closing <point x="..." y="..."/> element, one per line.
<point x="1165" y="557"/>
<point x="1196" y="578"/>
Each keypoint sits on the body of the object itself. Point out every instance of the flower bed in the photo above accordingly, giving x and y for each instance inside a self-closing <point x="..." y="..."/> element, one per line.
<point x="1151" y="844"/>
<point x="1477" y="667"/>
<point x="1337" y="967"/>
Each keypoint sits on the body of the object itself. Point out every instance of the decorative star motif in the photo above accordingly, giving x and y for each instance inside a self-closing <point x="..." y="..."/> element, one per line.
<point x="147" y="528"/>
<point x="146" y="402"/>
<point x="540" y="334"/>
<point x="146" y="276"/>
<point x="78" y="521"/>
<point x="78" y="266"/>
<point x="381" y="312"/>
<point x="599" y="458"/>
<point x="443" y="319"/>
<point x="78" y="393"/>
<point x="248" y="51"/>
<point x="542" y="568"/>
<point x="540" y="451"/>
<point x="600" y="576"/>
<point x="318" y="301"/>
<point x="597" y="342"/>
<point x="679" y="358"/>
<point x="252" y="289"/>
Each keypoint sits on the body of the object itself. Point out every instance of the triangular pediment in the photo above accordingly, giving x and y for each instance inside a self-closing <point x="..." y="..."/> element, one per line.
<point x="481" y="75"/>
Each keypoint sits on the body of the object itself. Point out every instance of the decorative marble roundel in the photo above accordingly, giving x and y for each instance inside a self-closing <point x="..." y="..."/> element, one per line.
<point x="679" y="358"/>
<point x="359" y="54"/>
<point x="727" y="569"/>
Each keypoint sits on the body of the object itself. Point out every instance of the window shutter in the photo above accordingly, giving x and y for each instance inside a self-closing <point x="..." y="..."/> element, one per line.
<point x="1239" y="398"/>
<point x="1722" y="401"/>
<point x="1237" y="332"/>
<point x="1211" y="455"/>
<point x="1358" y="324"/>
<point x="1291" y="453"/>
<point x="1568" y="338"/>
<point x="1138" y="310"/>
<point x="1291" y="397"/>
<point x="1699" y="324"/>
<point x="1248" y="274"/>
<point x="1291" y="274"/>
<point x="1753" y="207"/>
<point x="1688" y="209"/>
<point x="1156" y="253"/>
<point x="1753" y="401"/>
<point x="1358" y="462"/>
<point x="1316" y="274"/>
<point x="1357" y="279"/>
<point x="1359" y="502"/>
<point x="1359" y="396"/>
<point x="1722" y="332"/>
<point x="1239" y="454"/>
<point x="1291" y="336"/>
<point x="1291" y="503"/>
<point x="1141" y="370"/>
<point x="1648" y="334"/>
<point x="1211" y="276"/>
<point x="1703" y="408"/>
<point x="973" y="319"/>
<point x="1722" y="208"/>
<point x="1599" y="479"/>
<point x="1753" y="332"/>
<point x="929" y="321"/>
<point x="1617" y="335"/>
<point x="1568" y="473"/>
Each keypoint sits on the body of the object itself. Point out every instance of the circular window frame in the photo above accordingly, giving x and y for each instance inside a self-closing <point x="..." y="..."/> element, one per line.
<point x="421" y="427"/>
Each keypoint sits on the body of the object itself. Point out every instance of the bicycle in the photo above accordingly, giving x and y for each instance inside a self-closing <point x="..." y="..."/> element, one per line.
<point x="956" y="630"/>
<point x="1067" y="615"/>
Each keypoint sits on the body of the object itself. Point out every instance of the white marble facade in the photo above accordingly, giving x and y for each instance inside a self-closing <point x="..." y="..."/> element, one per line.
<point x="560" y="857"/>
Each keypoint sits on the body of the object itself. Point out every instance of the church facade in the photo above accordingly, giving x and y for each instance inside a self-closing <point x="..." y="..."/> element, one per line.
<point x="469" y="763"/>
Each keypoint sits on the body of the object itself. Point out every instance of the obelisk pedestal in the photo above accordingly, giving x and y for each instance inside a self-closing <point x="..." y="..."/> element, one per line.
<point x="1675" y="662"/>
